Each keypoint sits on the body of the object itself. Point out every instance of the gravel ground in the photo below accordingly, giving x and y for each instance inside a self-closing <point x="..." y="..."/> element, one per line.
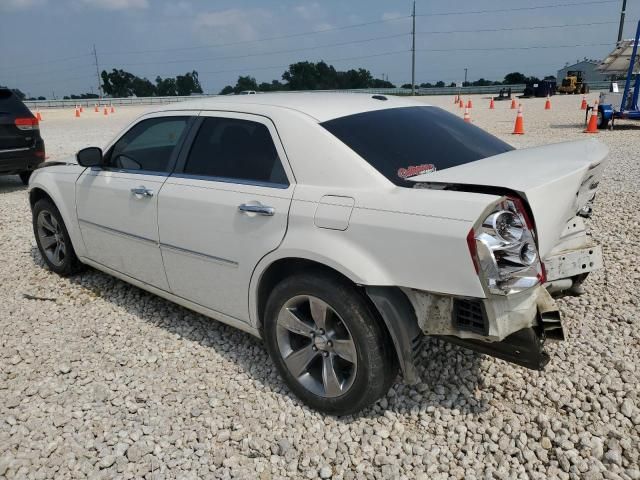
<point x="100" y="379"/>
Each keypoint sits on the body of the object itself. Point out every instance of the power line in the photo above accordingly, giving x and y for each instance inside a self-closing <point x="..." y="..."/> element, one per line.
<point x="535" y="27"/>
<point x="491" y="49"/>
<point x="263" y="39"/>
<point x="334" y="60"/>
<point x="44" y="62"/>
<point x="518" y="9"/>
<point x="262" y="54"/>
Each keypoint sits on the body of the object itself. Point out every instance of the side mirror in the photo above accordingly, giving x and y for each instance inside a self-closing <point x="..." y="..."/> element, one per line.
<point x="89" y="157"/>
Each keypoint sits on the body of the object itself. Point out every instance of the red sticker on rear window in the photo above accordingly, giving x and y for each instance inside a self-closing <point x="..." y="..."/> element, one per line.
<point x="416" y="170"/>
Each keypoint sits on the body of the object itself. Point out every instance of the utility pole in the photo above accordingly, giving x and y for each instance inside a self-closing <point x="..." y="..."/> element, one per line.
<point x="95" y="56"/>
<point x="622" y="14"/>
<point x="465" y="78"/>
<point x="413" y="50"/>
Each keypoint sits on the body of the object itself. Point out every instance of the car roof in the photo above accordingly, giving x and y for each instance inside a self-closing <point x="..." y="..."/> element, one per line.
<point x="322" y="106"/>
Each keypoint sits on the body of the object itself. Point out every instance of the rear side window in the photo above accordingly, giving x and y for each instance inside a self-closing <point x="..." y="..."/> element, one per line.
<point x="231" y="149"/>
<point x="404" y="142"/>
<point x="148" y="145"/>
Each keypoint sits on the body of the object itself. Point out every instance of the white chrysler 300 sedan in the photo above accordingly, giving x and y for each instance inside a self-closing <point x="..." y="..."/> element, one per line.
<point x="340" y="228"/>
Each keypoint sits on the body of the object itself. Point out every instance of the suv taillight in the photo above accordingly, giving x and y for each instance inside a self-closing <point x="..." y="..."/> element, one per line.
<point x="504" y="251"/>
<point x="27" y="123"/>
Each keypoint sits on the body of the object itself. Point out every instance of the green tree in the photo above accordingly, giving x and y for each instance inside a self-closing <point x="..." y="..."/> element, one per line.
<point x="514" y="78"/>
<point x="142" y="87"/>
<point x="226" y="90"/>
<point x="166" y="87"/>
<point x="245" y="83"/>
<point x="117" y="83"/>
<point x="378" y="83"/>
<point x="188" y="83"/>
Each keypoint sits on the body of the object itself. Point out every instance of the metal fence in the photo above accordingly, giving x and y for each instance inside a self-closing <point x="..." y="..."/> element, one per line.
<point x="90" y="102"/>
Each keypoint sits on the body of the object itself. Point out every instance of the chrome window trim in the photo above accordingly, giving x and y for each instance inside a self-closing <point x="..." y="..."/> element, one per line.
<point x="239" y="181"/>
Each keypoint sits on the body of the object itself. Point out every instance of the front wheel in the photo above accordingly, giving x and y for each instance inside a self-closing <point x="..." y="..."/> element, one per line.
<point x="328" y="343"/>
<point x="53" y="239"/>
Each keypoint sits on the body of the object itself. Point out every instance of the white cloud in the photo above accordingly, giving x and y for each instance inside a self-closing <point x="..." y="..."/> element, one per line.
<point x="178" y="8"/>
<point x="117" y="4"/>
<point x="9" y="5"/>
<point x="391" y="15"/>
<point x="309" y="11"/>
<point x="233" y="23"/>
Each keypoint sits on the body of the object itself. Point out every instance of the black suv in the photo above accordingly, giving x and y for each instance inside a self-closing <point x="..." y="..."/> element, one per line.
<point x="21" y="146"/>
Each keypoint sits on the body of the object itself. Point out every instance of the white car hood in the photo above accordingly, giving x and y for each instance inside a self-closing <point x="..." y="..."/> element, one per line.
<point x="556" y="180"/>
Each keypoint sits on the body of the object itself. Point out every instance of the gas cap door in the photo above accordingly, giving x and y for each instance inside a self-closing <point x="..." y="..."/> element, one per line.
<point x="333" y="212"/>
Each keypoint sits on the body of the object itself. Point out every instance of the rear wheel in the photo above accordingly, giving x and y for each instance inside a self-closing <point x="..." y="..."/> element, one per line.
<point x="25" y="176"/>
<point x="328" y="344"/>
<point x="53" y="239"/>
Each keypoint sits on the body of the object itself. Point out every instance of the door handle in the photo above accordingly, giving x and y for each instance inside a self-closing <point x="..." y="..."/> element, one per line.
<point x="142" y="192"/>
<point x="259" y="209"/>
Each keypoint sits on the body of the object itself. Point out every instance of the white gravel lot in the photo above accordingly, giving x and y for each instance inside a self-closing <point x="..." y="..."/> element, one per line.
<point x="100" y="379"/>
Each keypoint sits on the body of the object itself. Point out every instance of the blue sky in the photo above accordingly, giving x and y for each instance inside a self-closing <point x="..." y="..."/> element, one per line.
<point x="45" y="45"/>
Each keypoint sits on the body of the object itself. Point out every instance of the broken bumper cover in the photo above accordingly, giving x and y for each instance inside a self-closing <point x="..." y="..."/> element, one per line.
<point x="524" y="347"/>
<point x="513" y="328"/>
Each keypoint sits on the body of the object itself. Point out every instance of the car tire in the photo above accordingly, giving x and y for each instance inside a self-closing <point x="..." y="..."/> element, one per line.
<point x="25" y="176"/>
<point x="342" y="369"/>
<point x="53" y="239"/>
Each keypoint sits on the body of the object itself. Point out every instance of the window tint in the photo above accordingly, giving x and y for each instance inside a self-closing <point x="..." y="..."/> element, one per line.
<point x="235" y="149"/>
<point x="148" y="145"/>
<point x="404" y="142"/>
<point x="10" y="103"/>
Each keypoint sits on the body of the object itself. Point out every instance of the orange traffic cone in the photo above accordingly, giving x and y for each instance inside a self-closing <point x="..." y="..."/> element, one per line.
<point x="519" y="126"/>
<point x="95" y="108"/>
<point x="77" y="112"/>
<point x="38" y="115"/>
<point x="469" y="104"/>
<point x="81" y="109"/>
<point x="467" y="117"/>
<point x="113" y="110"/>
<point x="514" y="105"/>
<point x="491" y="104"/>
<point x="583" y="105"/>
<point x="593" y="119"/>
<point x="460" y="103"/>
<point x="106" y="112"/>
<point x="547" y="104"/>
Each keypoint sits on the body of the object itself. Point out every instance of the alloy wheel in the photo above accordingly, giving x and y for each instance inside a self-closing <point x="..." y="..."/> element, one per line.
<point x="51" y="238"/>
<point x="316" y="346"/>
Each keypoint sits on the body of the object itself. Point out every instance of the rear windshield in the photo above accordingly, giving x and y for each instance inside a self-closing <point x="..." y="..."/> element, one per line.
<point x="404" y="142"/>
<point x="10" y="103"/>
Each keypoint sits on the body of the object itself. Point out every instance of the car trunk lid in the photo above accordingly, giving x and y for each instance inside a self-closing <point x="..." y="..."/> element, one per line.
<point x="556" y="180"/>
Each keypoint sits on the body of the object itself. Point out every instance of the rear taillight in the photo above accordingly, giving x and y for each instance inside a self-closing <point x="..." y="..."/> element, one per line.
<point x="27" y="123"/>
<point x="504" y="251"/>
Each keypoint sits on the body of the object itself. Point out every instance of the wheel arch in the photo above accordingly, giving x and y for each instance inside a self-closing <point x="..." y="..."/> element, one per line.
<point x="392" y="306"/>
<point x="45" y="187"/>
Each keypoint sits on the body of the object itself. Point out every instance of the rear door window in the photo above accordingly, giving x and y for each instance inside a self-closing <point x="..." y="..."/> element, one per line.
<point x="404" y="142"/>
<point x="235" y="150"/>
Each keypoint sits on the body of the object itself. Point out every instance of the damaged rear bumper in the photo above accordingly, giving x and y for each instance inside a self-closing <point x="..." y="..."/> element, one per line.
<point x="513" y="328"/>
